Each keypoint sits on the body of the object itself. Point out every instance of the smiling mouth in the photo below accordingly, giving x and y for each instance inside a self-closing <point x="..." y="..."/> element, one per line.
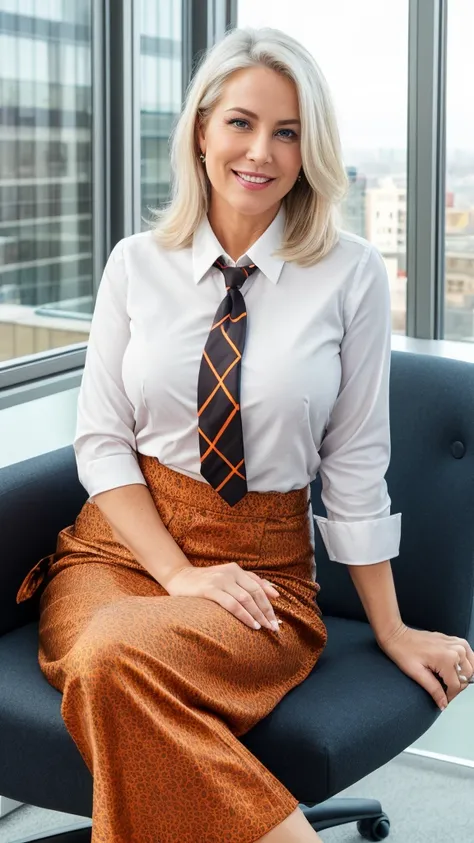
<point x="253" y="179"/>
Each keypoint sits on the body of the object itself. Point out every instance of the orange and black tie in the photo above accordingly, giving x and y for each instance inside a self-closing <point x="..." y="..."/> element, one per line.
<point x="220" y="424"/>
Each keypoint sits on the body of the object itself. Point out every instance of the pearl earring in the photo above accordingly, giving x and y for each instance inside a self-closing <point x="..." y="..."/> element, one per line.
<point x="202" y="157"/>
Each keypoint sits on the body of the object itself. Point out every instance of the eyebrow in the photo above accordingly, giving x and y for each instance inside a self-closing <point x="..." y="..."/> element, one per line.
<point x="252" y="114"/>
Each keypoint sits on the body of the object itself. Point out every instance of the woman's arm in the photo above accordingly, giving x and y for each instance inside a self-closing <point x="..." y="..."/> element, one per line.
<point x="355" y="452"/>
<point x="105" y="444"/>
<point x="134" y="519"/>
<point x="376" y="589"/>
<point x="359" y="530"/>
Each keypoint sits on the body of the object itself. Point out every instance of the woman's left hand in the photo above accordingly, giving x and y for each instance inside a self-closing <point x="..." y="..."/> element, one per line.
<point x="421" y="654"/>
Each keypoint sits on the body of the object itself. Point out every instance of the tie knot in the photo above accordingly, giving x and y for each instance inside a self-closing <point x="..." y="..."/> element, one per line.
<point x="235" y="276"/>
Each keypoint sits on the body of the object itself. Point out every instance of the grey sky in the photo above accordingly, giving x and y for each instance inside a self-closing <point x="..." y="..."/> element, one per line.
<point x="362" y="49"/>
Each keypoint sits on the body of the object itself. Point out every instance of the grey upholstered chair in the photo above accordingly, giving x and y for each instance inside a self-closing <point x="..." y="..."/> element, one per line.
<point x="356" y="710"/>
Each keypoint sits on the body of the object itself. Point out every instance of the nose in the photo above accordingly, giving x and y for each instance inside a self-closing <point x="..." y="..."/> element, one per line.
<point x="260" y="149"/>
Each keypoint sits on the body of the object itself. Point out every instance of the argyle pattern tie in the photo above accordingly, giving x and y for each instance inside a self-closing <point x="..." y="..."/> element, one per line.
<point x="221" y="442"/>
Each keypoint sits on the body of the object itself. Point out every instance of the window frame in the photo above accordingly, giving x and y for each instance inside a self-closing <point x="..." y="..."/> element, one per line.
<point x="426" y="168"/>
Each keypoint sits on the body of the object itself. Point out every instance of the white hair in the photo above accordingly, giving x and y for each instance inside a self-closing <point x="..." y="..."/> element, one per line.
<point x="312" y="203"/>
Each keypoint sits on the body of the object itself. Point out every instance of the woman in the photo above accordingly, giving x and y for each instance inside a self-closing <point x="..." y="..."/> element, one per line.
<point x="236" y="349"/>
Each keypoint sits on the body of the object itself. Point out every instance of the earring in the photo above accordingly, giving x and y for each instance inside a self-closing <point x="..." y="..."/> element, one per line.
<point x="202" y="157"/>
<point x="299" y="177"/>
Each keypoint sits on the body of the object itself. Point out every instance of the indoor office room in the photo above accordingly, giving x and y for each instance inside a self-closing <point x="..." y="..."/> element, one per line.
<point x="236" y="418"/>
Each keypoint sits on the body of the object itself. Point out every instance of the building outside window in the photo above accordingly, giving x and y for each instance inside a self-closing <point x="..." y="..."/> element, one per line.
<point x="45" y="175"/>
<point x="160" y="96"/>
<point x="46" y="160"/>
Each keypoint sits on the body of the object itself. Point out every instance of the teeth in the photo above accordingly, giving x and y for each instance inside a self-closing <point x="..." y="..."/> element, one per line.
<point x="256" y="179"/>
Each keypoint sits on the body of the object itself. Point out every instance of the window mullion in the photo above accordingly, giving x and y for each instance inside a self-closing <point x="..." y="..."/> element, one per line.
<point x="425" y="168"/>
<point x="100" y="145"/>
<point x="124" y="119"/>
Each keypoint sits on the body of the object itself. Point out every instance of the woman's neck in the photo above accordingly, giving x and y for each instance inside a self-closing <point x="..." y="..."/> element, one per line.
<point x="236" y="232"/>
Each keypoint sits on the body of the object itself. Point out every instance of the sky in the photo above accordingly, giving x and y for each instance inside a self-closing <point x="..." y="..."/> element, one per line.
<point x="362" y="48"/>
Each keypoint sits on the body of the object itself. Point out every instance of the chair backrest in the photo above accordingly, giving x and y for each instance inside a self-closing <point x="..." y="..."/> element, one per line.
<point x="431" y="482"/>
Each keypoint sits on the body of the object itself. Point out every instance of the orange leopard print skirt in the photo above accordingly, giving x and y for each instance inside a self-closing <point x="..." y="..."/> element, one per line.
<point x="157" y="689"/>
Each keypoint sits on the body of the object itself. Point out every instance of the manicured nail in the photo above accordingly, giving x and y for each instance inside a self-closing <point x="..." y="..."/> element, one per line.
<point x="275" y="626"/>
<point x="257" y="625"/>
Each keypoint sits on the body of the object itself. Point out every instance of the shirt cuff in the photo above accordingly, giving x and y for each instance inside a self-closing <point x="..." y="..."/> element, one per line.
<point x="361" y="542"/>
<point x="107" y="473"/>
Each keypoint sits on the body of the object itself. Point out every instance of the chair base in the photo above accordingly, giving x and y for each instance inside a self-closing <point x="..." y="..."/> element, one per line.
<point x="371" y="821"/>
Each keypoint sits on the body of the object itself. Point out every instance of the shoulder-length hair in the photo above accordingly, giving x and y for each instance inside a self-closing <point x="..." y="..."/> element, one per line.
<point x="312" y="204"/>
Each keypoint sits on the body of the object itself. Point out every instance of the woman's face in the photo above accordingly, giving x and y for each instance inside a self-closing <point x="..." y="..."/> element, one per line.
<point x="253" y="129"/>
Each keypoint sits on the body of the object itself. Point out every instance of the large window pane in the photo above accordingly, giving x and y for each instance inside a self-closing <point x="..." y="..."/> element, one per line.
<point x="45" y="175"/>
<point x="160" y="95"/>
<point x="459" y="301"/>
<point x="362" y="49"/>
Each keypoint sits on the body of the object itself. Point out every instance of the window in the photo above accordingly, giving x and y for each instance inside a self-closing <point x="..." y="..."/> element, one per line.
<point x="45" y="175"/>
<point x="362" y="49"/>
<point x="160" y="96"/>
<point x="89" y="95"/>
<point x="459" y="242"/>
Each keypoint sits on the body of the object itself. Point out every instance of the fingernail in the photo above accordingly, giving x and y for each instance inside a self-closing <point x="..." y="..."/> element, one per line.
<point x="443" y="707"/>
<point x="275" y="626"/>
<point x="257" y="625"/>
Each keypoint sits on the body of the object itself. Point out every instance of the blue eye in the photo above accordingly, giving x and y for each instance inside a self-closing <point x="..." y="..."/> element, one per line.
<point x="234" y="120"/>
<point x="293" y="134"/>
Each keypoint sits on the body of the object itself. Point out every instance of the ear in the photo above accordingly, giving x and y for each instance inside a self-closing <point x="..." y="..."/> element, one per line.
<point x="200" y="136"/>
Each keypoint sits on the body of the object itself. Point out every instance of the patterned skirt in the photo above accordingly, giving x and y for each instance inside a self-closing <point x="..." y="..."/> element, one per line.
<point x="156" y="688"/>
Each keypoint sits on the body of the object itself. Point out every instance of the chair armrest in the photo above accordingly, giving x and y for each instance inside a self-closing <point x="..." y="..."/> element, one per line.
<point x="38" y="498"/>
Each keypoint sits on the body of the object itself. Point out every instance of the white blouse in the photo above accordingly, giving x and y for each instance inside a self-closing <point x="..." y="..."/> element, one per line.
<point x="314" y="376"/>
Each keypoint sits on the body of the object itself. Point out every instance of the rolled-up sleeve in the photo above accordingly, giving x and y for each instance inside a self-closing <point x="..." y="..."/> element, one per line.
<point x="355" y="452"/>
<point x="104" y="444"/>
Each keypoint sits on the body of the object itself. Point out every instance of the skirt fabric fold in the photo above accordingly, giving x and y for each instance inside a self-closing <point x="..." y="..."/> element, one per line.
<point x="158" y="689"/>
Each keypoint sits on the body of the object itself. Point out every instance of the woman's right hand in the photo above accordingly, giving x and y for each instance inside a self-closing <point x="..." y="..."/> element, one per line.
<point x="242" y="593"/>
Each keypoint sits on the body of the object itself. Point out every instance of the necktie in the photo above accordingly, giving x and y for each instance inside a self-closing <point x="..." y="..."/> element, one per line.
<point x="220" y="424"/>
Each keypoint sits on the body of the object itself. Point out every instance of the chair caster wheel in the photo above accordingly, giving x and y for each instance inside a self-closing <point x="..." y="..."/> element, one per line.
<point x="375" y="828"/>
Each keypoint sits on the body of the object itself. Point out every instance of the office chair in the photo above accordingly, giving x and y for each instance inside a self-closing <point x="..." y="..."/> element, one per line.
<point x="356" y="710"/>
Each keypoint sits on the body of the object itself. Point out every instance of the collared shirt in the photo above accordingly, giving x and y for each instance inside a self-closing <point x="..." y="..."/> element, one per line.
<point x="314" y="376"/>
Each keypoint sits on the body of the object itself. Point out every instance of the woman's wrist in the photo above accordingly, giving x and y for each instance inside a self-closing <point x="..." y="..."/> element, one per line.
<point x="168" y="561"/>
<point x="134" y="519"/>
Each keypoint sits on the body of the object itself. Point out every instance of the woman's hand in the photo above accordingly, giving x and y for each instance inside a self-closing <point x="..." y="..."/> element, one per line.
<point x="421" y="654"/>
<point x="242" y="593"/>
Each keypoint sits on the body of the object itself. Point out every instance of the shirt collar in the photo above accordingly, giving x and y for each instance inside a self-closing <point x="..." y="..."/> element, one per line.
<point x="206" y="249"/>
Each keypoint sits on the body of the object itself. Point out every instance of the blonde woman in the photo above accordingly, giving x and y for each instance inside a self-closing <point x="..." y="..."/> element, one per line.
<point x="237" y="348"/>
